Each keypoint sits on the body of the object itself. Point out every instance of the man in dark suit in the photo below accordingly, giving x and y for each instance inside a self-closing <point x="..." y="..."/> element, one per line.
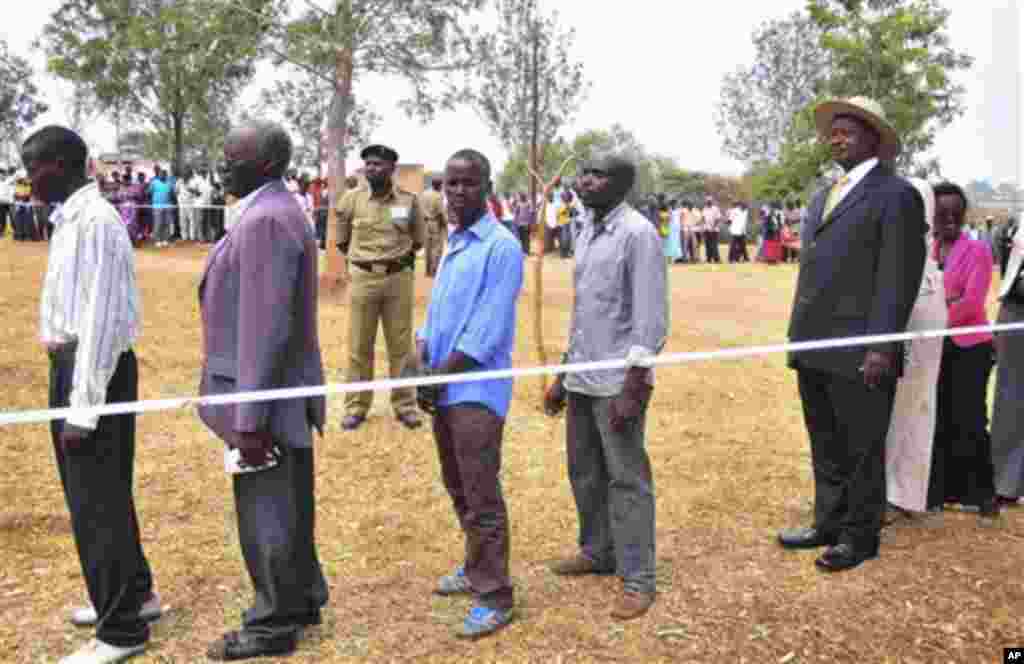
<point x="258" y="299"/>
<point x="862" y="257"/>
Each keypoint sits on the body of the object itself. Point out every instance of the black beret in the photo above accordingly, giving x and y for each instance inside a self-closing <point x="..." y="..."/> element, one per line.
<point x="377" y="150"/>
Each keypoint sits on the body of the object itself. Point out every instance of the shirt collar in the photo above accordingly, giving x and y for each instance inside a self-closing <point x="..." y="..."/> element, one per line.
<point x="609" y="222"/>
<point x="483" y="227"/>
<point x="244" y="204"/>
<point x="63" y="211"/>
<point x="857" y="173"/>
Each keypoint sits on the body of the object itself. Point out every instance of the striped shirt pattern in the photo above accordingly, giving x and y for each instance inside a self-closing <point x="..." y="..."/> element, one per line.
<point x="89" y="294"/>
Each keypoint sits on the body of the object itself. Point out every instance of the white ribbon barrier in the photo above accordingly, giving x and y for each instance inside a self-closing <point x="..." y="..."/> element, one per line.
<point x="36" y="416"/>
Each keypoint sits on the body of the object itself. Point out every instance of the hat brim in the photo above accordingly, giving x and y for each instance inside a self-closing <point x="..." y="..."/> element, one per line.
<point x="889" y="146"/>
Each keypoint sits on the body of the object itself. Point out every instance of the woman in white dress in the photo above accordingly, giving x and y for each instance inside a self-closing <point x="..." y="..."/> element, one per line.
<point x="908" y="447"/>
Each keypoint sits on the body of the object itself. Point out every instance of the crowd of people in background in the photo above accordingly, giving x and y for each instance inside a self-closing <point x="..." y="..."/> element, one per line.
<point x="157" y="208"/>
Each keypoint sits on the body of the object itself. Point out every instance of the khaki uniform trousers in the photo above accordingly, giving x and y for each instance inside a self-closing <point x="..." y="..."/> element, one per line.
<point x="436" y="238"/>
<point x="388" y="299"/>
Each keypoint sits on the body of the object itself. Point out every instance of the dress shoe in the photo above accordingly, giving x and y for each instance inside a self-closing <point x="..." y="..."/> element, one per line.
<point x="804" y="538"/>
<point x="632" y="605"/>
<point x="241" y="645"/>
<point x="843" y="557"/>
<point x="352" y="422"/>
<point x="99" y="652"/>
<point x="85" y="616"/>
<point x="989" y="508"/>
<point x="578" y="565"/>
<point x="409" y="420"/>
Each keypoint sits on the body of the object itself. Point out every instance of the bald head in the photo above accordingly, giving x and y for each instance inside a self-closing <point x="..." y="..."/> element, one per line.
<point x="255" y="153"/>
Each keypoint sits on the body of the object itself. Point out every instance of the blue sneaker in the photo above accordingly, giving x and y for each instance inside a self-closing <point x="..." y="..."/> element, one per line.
<point x="456" y="583"/>
<point x="482" y="621"/>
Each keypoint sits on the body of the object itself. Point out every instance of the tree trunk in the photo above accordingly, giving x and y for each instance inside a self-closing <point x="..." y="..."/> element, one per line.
<point x="179" y="143"/>
<point x="541" y="210"/>
<point x="334" y="277"/>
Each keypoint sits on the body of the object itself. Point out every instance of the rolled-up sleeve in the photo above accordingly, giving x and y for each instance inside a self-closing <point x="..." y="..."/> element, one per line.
<point x="649" y="291"/>
<point x="494" y="310"/>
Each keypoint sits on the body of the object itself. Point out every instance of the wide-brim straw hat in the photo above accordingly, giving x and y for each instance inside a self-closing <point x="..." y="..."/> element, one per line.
<point x="865" y="109"/>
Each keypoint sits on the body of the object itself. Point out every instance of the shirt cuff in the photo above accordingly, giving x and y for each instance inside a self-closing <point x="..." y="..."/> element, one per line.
<point x="83" y="421"/>
<point x="639" y="356"/>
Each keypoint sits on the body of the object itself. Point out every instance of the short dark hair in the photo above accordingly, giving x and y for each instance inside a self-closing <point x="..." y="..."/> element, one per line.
<point x="951" y="189"/>
<point x="273" y="144"/>
<point x="475" y="157"/>
<point x="55" y="142"/>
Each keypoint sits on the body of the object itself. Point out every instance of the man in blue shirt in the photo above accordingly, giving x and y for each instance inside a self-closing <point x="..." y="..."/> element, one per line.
<point x="470" y="326"/>
<point x="163" y="215"/>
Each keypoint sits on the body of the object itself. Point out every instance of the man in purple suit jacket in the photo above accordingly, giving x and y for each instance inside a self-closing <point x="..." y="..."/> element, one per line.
<point x="258" y="299"/>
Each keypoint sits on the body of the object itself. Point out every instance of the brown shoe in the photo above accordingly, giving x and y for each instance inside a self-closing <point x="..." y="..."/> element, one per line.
<point x="578" y="565"/>
<point x="632" y="605"/>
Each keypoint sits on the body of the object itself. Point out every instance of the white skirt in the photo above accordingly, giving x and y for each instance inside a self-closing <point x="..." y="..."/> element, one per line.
<point x="908" y="447"/>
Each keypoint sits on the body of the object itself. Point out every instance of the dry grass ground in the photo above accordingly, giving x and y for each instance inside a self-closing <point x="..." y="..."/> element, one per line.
<point x="731" y="466"/>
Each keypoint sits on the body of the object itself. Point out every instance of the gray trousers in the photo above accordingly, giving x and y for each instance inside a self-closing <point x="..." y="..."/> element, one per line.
<point x="610" y="474"/>
<point x="163" y="224"/>
<point x="276" y="511"/>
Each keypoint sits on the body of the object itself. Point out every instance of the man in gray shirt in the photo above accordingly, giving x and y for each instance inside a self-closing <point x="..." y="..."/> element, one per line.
<point x="620" y="312"/>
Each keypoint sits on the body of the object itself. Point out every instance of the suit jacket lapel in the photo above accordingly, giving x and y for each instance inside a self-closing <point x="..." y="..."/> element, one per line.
<point x="814" y="213"/>
<point x="851" y="199"/>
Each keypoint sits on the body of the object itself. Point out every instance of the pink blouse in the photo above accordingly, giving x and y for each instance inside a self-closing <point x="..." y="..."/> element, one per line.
<point x="967" y="276"/>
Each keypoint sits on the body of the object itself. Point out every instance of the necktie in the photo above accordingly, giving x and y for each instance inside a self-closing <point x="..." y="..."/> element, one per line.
<point x="833" y="196"/>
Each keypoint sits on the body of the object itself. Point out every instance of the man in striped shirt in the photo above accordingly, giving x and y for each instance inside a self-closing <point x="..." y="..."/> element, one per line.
<point x="88" y="322"/>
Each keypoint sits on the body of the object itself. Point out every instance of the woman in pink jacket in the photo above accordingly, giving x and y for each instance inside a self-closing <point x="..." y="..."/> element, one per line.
<point x="962" y="455"/>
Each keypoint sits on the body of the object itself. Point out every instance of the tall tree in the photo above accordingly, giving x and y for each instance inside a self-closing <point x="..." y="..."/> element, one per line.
<point x="757" y="102"/>
<point x="529" y="87"/>
<point x="303" y="102"/>
<point x="899" y="53"/>
<point x="19" y="96"/>
<point x="421" y="42"/>
<point x="167" y="62"/>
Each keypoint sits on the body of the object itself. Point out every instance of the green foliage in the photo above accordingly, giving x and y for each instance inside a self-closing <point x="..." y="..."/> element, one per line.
<point x="303" y="102"/>
<point x="19" y="96"/>
<point x="894" y="51"/>
<point x="757" y="103"/>
<point x="527" y="87"/>
<point x="422" y="42"/>
<point x="898" y="53"/>
<point x="655" y="173"/>
<point x="169" y="63"/>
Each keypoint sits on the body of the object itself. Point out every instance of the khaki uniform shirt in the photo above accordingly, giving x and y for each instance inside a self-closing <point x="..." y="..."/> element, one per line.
<point x="379" y="229"/>
<point x="433" y="211"/>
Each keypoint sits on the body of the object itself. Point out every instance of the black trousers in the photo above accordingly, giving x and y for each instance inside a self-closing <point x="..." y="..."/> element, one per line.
<point x="738" y="249"/>
<point x="847" y="423"/>
<point x="276" y="510"/>
<point x="524" y="239"/>
<point x="711" y="246"/>
<point x="962" y="470"/>
<point x="5" y="213"/>
<point x="97" y="481"/>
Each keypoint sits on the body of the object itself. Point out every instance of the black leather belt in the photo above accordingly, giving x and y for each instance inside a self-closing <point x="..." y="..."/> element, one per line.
<point x="384" y="267"/>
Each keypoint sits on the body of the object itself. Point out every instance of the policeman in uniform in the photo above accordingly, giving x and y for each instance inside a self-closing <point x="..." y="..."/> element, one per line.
<point x="436" y="218"/>
<point x="380" y="228"/>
